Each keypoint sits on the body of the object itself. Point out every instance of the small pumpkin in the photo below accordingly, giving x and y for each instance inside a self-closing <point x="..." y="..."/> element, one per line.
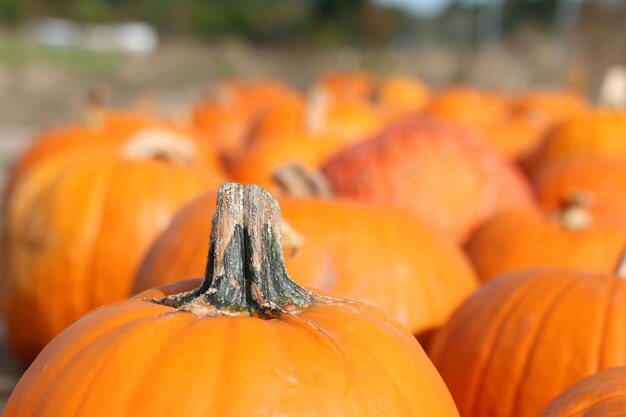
<point x="599" y="132"/>
<point x="76" y="228"/>
<point x="438" y="171"/>
<point x="246" y="341"/>
<point x="402" y="95"/>
<point x="599" y="395"/>
<point x="523" y="338"/>
<point x="570" y="237"/>
<point x="601" y="179"/>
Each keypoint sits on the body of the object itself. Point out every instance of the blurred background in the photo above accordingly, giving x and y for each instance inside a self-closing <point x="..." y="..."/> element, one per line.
<point x="170" y="52"/>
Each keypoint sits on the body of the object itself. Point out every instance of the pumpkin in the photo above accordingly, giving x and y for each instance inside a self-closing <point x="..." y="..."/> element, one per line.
<point x="568" y="238"/>
<point x="378" y="255"/>
<point x="523" y="338"/>
<point x="77" y="226"/>
<point x="246" y="341"/>
<point x="600" y="133"/>
<point x="599" y="395"/>
<point x="402" y="95"/>
<point x="323" y="127"/>
<point x="469" y="107"/>
<point x="440" y="172"/>
<point x="600" y="179"/>
<point x="346" y="85"/>
<point x="110" y="131"/>
<point x="548" y="108"/>
<point x="227" y="116"/>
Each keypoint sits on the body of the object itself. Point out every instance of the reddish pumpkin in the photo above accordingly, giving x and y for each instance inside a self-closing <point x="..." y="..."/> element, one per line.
<point x="246" y="341"/>
<point x="522" y="339"/>
<point x="437" y="171"/>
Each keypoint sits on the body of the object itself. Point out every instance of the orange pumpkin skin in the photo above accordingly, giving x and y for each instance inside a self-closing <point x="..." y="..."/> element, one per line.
<point x="546" y="109"/>
<point x="599" y="395"/>
<point x="347" y="86"/>
<point x="282" y="350"/>
<point x="259" y="162"/>
<point x="594" y="133"/>
<point x="437" y="171"/>
<point x="402" y="95"/>
<point x="520" y="239"/>
<point x="601" y="179"/>
<point x="75" y="233"/>
<point x="523" y="338"/>
<point x="348" y="250"/>
<point x="113" y="130"/>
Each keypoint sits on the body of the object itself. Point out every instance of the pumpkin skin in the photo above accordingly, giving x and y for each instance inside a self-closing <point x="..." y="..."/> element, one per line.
<point x="520" y="239"/>
<point x="111" y="131"/>
<point x="402" y="95"/>
<point x="593" y="133"/>
<point x="523" y="338"/>
<point x="599" y="395"/>
<point x="438" y="171"/>
<point x="212" y="350"/>
<point x="77" y="227"/>
<point x="601" y="179"/>
<point x="348" y="250"/>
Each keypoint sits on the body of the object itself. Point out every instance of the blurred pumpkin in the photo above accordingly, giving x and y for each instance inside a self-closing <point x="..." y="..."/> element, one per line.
<point x="440" y="172"/>
<point x="599" y="395"/>
<point x="378" y="255"/>
<point x="601" y="179"/>
<point x="402" y="95"/>
<point x="346" y="85"/>
<point x="76" y="228"/>
<point x="246" y="341"/>
<point x="600" y="133"/>
<point x="568" y="238"/>
<point x="523" y="338"/>
<point x="109" y="130"/>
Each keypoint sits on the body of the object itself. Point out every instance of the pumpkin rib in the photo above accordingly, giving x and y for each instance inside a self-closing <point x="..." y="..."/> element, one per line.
<point x="519" y="296"/>
<point x="605" y="323"/>
<point x="318" y="331"/>
<point x="374" y="357"/>
<point x="528" y="356"/>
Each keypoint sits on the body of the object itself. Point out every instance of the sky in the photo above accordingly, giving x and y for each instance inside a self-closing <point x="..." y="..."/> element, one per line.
<point x="425" y="7"/>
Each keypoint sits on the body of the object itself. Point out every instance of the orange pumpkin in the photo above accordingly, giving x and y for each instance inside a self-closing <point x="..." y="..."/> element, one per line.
<point x="519" y="239"/>
<point x="76" y="228"/>
<point x="347" y="85"/>
<point x="437" y="171"/>
<point x="523" y="338"/>
<point x="601" y="179"/>
<point x="376" y="255"/>
<point x="227" y="117"/>
<point x="402" y="95"/>
<point x="599" y="395"/>
<point x="111" y="131"/>
<point x="548" y="108"/>
<point x="593" y="133"/>
<point x="246" y="341"/>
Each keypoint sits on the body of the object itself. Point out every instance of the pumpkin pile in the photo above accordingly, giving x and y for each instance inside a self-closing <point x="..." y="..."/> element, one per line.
<point x="375" y="247"/>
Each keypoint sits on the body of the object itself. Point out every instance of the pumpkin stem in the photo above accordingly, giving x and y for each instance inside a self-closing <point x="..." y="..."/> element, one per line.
<point x="297" y="180"/>
<point x="245" y="273"/>
<point x="574" y="214"/>
<point x="155" y="143"/>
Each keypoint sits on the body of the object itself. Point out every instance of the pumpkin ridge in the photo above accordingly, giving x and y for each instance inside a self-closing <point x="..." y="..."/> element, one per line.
<point x="559" y="295"/>
<point x="245" y="272"/>
<point x="605" y="323"/>
<point x="520" y="296"/>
